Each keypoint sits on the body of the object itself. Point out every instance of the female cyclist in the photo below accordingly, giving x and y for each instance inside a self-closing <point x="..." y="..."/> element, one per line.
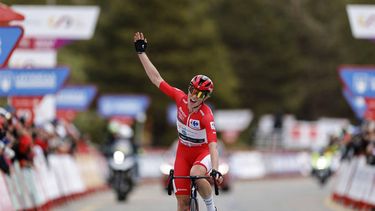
<point x="197" y="153"/>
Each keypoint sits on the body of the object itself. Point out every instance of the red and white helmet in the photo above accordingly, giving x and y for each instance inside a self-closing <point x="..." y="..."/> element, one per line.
<point x="201" y="83"/>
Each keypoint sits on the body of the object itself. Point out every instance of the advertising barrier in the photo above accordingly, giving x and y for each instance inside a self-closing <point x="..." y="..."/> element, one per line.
<point x="354" y="184"/>
<point x="42" y="186"/>
<point x="5" y="200"/>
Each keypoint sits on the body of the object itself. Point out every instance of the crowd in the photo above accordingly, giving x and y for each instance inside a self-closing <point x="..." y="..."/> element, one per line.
<point x="357" y="142"/>
<point x="18" y="137"/>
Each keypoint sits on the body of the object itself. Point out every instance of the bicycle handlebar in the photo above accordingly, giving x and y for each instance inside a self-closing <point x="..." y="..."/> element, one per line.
<point x="191" y="177"/>
<point x="216" y="188"/>
<point x="172" y="177"/>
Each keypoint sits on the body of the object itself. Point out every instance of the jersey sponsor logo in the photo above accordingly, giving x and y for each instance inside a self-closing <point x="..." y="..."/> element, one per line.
<point x="190" y="136"/>
<point x="212" y="124"/>
<point x="194" y="124"/>
<point x="183" y="131"/>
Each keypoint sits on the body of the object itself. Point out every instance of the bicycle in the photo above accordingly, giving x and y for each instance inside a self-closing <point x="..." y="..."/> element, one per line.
<point x="193" y="190"/>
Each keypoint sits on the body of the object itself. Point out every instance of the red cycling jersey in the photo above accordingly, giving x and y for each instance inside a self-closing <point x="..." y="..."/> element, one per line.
<point x="195" y="131"/>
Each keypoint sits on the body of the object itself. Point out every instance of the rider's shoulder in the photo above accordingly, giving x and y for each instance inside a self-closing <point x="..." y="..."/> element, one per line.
<point x="206" y="110"/>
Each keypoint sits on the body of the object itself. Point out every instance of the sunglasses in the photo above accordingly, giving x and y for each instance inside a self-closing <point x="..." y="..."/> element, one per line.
<point x="198" y="93"/>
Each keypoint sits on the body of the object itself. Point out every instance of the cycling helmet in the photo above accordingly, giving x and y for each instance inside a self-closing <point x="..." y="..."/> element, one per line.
<point x="201" y="85"/>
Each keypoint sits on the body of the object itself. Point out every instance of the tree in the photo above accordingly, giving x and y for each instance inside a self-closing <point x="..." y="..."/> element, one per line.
<point x="287" y="54"/>
<point x="183" y="41"/>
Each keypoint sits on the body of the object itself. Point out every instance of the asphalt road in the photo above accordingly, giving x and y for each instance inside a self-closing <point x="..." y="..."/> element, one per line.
<point x="287" y="194"/>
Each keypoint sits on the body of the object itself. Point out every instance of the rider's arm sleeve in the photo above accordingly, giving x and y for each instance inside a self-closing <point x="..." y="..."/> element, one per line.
<point x="209" y="124"/>
<point x="171" y="91"/>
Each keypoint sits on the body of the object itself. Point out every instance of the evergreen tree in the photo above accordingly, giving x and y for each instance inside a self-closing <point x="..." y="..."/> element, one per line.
<point x="183" y="42"/>
<point x="287" y="54"/>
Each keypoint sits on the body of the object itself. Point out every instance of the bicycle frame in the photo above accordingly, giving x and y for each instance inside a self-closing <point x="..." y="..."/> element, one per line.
<point x="193" y="188"/>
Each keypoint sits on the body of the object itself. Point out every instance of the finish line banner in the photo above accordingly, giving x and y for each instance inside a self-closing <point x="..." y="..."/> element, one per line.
<point x="32" y="82"/>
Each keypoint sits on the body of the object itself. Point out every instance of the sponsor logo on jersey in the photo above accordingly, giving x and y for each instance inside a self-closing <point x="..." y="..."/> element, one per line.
<point x="194" y="124"/>
<point x="184" y="131"/>
<point x="212" y="125"/>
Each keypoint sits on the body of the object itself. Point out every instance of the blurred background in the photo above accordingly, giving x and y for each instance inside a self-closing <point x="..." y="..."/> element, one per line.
<point x="293" y="102"/>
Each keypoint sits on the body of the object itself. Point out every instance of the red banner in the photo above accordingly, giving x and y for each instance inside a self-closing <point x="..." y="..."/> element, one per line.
<point x="8" y="15"/>
<point x="24" y="106"/>
<point x="66" y="114"/>
<point x="370" y="112"/>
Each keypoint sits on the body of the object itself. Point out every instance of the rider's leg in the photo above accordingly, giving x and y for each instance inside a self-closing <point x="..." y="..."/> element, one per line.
<point x="204" y="187"/>
<point x="182" y="186"/>
<point x="183" y="202"/>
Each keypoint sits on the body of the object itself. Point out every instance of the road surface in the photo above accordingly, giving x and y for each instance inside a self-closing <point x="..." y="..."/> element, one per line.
<point x="287" y="194"/>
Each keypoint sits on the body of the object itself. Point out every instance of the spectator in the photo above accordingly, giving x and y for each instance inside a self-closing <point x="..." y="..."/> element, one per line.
<point x="357" y="145"/>
<point x="370" y="153"/>
<point x="370" y="148"/>
<point x="3" y="163"/>
<point x="6" y="153"/>
<point x="277" y="128"/>
<point x="23" y="148"/>
<point x="40" y="140"/>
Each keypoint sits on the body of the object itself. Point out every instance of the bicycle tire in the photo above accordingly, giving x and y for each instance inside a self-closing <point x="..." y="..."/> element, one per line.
<point x="169" y="187"/>
<point x="170" y="181"/>
<point x="194" y="205"/>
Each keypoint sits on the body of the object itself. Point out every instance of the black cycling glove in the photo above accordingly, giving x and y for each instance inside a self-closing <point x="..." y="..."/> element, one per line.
<point x="140" y="46"/>
<point x="215" y="174"/>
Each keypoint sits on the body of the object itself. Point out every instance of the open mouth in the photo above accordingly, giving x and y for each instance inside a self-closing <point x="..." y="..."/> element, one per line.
<point x="193" y="101"/>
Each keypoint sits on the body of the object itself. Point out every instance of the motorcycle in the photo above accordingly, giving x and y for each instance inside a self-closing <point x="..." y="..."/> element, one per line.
<point x="321" y="163"/>
<point x="122" y="168"/>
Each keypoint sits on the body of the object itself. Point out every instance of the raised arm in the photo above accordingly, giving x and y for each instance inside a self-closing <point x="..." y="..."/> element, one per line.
<point x="140" y="45"/>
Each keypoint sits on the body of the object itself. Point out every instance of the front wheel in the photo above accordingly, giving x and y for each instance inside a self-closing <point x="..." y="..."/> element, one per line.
<point x="170" y="180"/>
<point x="225" y="188"/>
<point x="194" y="205"/>
<point x="121" y="196"/>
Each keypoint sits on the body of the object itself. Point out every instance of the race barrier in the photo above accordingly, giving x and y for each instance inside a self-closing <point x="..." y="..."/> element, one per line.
<point x="52" y="181"/>
<point x="62" y="177"/>
<point x="260" y="164"/>
<point x="354" y="184"/>
<point x="243" y="164"/>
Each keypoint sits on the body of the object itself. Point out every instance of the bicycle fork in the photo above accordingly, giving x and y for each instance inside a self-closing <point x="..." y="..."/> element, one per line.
<point x="193" y="196"/>
<point x="193" y="189"/>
